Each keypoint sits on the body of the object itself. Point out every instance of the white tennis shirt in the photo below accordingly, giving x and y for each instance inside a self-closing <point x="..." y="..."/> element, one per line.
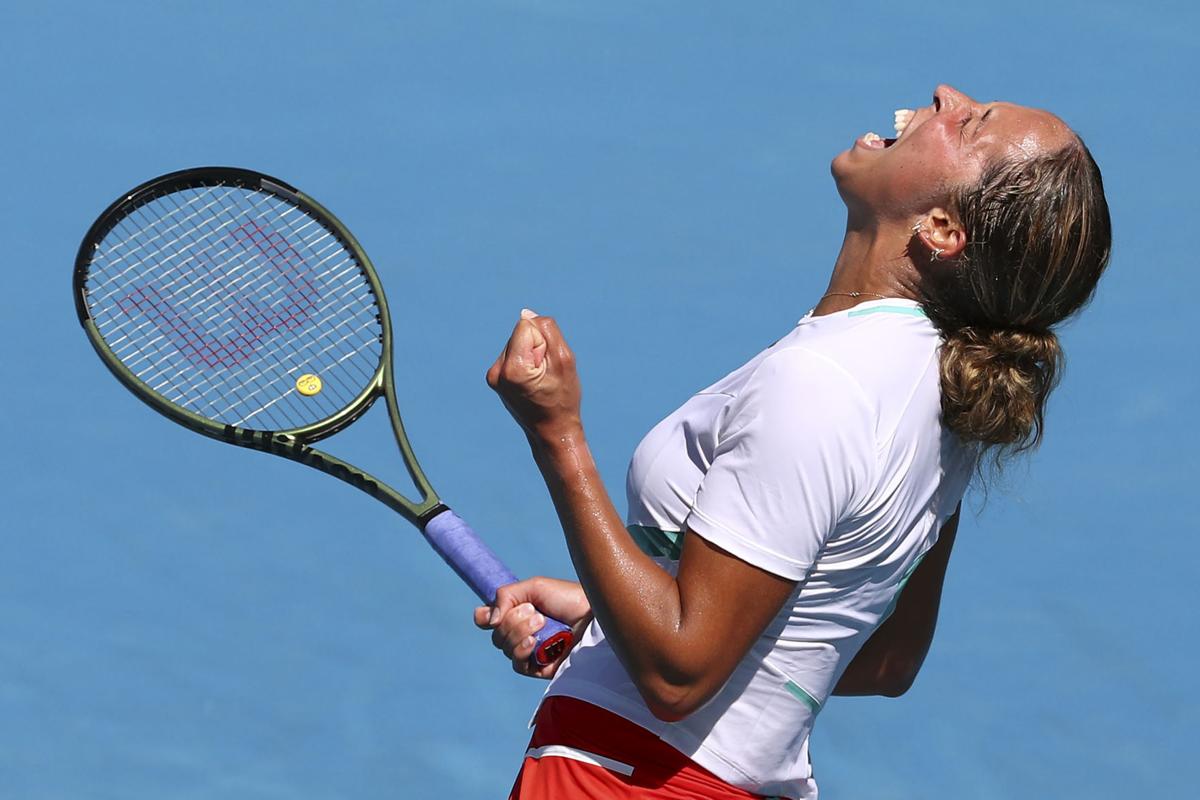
<point x="822" y="460"/>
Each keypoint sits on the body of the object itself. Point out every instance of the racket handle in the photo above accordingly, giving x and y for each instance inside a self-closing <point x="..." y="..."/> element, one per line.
<point x="479" y="567"/>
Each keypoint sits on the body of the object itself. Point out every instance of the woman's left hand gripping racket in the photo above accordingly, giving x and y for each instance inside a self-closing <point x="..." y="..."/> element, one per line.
<point x="240" y="308"/>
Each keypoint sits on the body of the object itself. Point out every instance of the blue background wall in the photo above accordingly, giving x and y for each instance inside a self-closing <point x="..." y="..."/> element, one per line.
<point x="180" y="619"/>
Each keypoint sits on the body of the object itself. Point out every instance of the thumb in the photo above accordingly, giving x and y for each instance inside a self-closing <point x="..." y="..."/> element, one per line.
<point x="508" y="597"/>
<point x="483" y="617"/>
<point x="528" y="345"/>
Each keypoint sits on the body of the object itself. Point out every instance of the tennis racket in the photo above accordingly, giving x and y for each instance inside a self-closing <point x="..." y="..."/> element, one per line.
<point x="240" y="308"/>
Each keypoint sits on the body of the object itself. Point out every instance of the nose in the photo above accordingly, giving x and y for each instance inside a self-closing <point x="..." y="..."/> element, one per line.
<point x="946" y="96"/>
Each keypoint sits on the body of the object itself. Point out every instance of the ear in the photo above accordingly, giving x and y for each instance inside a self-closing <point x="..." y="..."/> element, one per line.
<point x="940" y="230"/>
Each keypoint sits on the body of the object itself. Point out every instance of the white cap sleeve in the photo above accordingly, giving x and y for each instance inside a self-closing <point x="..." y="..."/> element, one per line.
<point x="795" y="454"/>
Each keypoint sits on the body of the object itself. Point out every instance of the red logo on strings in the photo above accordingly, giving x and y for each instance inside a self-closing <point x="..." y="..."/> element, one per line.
<point x="230" y="296"/>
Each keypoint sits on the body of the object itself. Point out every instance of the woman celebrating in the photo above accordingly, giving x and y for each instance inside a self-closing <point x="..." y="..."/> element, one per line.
<point x="776" y="516"/>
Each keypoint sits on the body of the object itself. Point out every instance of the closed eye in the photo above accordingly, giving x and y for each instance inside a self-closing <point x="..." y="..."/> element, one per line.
<point x="983" y="120"/>
<point x="962" y="126"/>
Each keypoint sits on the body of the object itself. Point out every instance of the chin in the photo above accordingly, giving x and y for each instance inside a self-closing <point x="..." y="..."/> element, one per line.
<point x="838" y="167"/>
<point x="842" y="178"/>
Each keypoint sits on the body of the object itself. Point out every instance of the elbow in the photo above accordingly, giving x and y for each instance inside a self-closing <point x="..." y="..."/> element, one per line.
<point x="897" y="679"/>
<point x="895" y="688"/>
<point x="891" y="678"/>
<point x="669" y="701"/>
<point x="669" y="710"/>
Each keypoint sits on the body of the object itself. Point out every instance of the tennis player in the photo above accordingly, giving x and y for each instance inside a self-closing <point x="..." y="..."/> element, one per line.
<point x="789" y="526"/>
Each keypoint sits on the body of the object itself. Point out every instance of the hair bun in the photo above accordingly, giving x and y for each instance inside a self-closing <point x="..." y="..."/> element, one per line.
<point x="995" y="382"/>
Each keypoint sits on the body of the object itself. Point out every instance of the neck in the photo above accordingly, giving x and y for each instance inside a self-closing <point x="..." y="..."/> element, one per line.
<point x="873" y="261"/>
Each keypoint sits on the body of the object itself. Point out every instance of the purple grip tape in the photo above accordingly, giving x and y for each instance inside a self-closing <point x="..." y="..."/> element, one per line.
<point x="479" y="567"/>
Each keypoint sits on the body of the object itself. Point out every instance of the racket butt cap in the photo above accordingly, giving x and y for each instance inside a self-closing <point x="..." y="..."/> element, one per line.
<point x="550" y="650"/>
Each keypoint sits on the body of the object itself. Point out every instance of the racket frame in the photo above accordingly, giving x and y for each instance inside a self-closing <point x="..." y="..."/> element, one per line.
<point x="294" y="443"/>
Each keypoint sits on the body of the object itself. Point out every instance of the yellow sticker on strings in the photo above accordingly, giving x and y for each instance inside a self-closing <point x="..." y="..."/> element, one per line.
<point x="308" y="384"/>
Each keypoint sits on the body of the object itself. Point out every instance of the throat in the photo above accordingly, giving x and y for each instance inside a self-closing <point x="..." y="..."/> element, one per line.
<point x="871" y="265"/>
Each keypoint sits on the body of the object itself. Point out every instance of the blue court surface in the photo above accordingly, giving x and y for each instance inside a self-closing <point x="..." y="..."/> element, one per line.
<point x="182" y="619"/>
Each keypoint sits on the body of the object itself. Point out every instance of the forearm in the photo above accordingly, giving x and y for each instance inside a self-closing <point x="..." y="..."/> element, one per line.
<point x="886" y="665"/>
<point x="890" y="659"/>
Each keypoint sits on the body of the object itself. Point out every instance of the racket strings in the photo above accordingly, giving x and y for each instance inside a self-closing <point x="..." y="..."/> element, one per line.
<point x="203" y="255"/>
<point x="220" y="297"/>
<point x="138" y="255"/>
<point x="215" y="404"/>
<point x="256" y="364"/>
<point x="207" y="319"/>
<point x="179" y="282"/>
<point x="214" y="407"/>
<point x="168" y="292"/>
<point x="218" y="406"/>
<point x="133" y="229"/>
<point x="184" y="282"/>
<point x="363" y="336"/>
<point x="346" y="390"/>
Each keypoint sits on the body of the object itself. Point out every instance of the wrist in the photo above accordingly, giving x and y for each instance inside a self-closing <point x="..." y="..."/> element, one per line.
<point x="557" y="435"/>
<point x="561" y="450"/>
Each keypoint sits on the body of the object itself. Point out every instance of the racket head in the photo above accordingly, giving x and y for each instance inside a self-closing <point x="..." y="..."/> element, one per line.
<point x="216" y="294"/>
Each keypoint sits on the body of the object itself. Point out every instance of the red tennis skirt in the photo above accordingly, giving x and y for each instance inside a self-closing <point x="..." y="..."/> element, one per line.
<point x="579" y="750"/>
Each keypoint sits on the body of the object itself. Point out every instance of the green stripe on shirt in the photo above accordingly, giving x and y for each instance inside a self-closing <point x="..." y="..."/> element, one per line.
<point x="656" y="542"/>
<point x="910" y="311"/>
<point x="803" y="696"/>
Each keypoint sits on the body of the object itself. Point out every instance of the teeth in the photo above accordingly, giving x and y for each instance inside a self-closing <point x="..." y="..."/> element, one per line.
<point x="872" y="136"/>
<point x="903" y="117"/>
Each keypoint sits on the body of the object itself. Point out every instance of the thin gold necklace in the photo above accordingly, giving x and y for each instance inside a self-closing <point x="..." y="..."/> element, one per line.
<point x="854" y="294"/>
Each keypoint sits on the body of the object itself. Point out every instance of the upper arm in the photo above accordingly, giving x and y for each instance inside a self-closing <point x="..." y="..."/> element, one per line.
<point x="725" y="604"/>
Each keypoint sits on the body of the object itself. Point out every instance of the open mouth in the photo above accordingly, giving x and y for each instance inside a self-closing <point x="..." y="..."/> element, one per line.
<point x="873" y="141"/>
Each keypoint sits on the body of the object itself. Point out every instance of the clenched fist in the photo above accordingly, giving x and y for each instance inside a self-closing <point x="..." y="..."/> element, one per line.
<point x="535" y="377"/>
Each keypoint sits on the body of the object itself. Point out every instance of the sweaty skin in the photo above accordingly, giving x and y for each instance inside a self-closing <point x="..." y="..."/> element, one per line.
<point x="678" y="637"/>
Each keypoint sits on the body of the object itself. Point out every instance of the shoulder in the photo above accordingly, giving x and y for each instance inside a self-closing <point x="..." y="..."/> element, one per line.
<point x="799" y="401"/>
<point x="887" y="350"/>
<point x="803" y="373"/>
<point x="855" y="374"/>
